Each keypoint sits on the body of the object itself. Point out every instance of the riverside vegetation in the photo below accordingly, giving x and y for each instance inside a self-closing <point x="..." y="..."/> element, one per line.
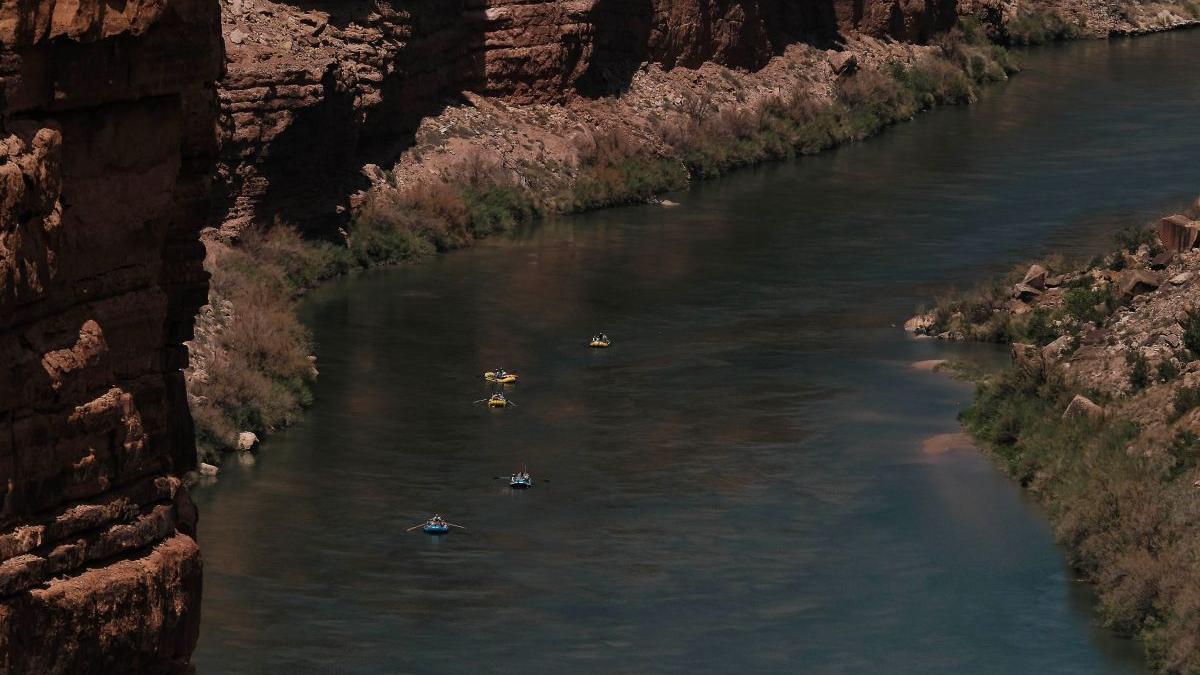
<point x="1099" y="417"/>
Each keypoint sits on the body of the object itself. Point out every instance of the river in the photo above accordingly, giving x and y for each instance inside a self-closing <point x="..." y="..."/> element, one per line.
<point x="740" y="484"/>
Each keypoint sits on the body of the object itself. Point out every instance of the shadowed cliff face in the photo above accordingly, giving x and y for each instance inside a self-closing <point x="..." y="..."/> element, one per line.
<point x="317" y="88"/>
<point x="106" y="146"/>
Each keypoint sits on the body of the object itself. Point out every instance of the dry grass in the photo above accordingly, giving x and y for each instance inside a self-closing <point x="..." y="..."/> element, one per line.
<point x="251" y="369"/>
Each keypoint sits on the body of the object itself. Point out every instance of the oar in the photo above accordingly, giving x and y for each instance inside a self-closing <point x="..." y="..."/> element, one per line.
<point x="458" y="526"/>
<point x="416" y="526"/>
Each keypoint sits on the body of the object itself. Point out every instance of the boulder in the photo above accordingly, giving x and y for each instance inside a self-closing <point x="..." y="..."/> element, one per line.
<point x="920" y="323"/>
<point x="1055" y="281"/>
<point x="1035" y="277"/>
<point x="843" y="63"/>
<point x="1025" y="292"/>
<point x="1017" y="308"/>
<point x="1082" y="407"/>
<point x="1160" y="261"/>
<point x="1027" y="358"/>
<point x="246" y="441"/>
<point x="207" y="469"/>
<point x="373" y="173"/>
<point x="1054" y="351"/>
<point x="1136" y="282"/>
<point x="1178" y="233"/>
<point x="1181" y="278"/>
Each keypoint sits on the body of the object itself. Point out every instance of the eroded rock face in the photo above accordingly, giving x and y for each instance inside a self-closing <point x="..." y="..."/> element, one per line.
<point x="317" y="90"/>
<point x="106" y="147"/>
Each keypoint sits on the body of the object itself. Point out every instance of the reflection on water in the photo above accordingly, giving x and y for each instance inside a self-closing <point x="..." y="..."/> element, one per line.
<point x="743" y="483"/>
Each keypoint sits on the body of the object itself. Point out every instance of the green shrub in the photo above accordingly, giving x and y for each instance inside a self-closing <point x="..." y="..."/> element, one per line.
<point x="1182" y="452"/>
<point x="976" y="59"/>
<point x="873" y="100"/>
<point x="1082" y="303"/>
<point x="1139" y="370"/>
<point x="497" y="208"/>
<point x="394" y="224"/>
<point x="615" y="169"/>
<point x="1040" y="28"/>
<point x="1131" y="237"/>
<point x="941" y="82"/>
<point x="1186" y="399"/>
<point x="1038" y="328"/>
<point x="1191" y="333"/>
<point x="1167" y="371"/>
<point x="377" y="242"/>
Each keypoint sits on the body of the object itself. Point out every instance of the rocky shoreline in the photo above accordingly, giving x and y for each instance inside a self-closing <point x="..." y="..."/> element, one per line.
<point x="1099" y="417"/>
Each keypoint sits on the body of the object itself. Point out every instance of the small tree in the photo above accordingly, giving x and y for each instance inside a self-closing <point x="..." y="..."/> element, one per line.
<point x="1167" y="371"/>
<point x="1139" y="370"/>
<point x="1191" y="332"/>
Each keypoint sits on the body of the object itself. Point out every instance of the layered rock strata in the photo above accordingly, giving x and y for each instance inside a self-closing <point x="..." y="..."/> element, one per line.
<point x="315" y="92"/>
<point x="106" y="148"/>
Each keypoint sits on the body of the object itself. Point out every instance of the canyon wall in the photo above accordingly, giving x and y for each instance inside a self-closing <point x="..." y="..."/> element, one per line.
<point x="107" y="113"/>
<point x="315" y="91"/>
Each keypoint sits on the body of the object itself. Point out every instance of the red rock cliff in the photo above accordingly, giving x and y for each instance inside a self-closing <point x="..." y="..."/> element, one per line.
<point x="107" y="113"/>
<point x="316" y="90"/>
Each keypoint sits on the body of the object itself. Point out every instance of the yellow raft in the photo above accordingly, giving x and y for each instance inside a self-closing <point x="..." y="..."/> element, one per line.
<point x="507" y="378"/>
<point x="497" y="402"/>
<point x="601" y="344"/>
